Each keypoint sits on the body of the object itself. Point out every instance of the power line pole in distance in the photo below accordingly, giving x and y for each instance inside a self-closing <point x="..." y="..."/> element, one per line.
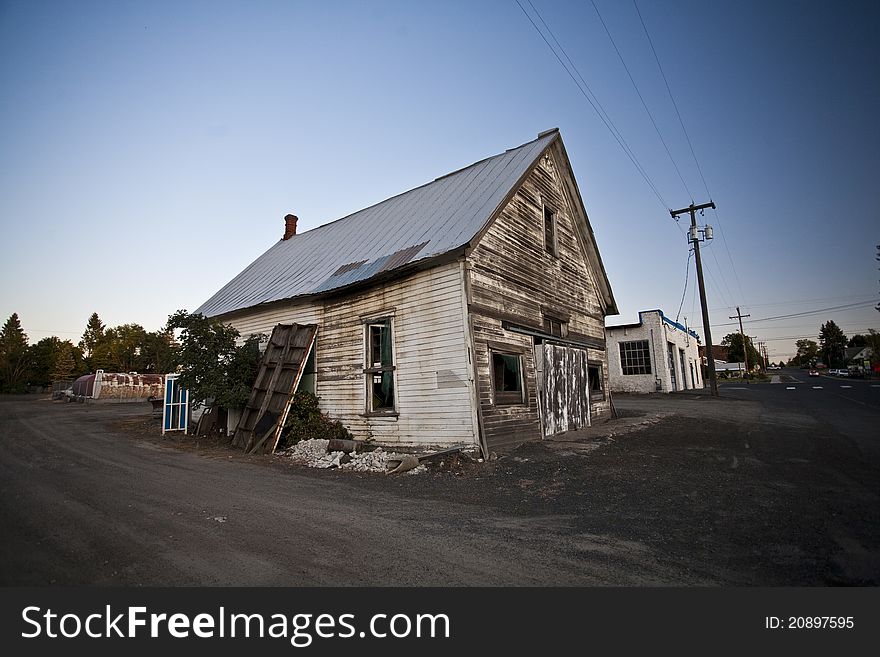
<point x="694" y="238"/>
<point x="740" y="316"/>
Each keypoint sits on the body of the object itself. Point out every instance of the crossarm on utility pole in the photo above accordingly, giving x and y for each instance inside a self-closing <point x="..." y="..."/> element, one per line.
<point x="710" y="359"/>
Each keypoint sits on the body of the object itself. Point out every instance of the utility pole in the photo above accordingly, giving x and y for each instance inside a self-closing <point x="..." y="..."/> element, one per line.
<point x="694" y="238"/>
<point x="740" y="316"/>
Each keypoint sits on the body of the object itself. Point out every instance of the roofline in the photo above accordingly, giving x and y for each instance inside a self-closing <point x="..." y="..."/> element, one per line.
<point x="611" y="308"/>
<point x="374" y="281"/>
<point x="430" y="182"/>
<point x="663" y="318"/>
<point x="607" y="294"/>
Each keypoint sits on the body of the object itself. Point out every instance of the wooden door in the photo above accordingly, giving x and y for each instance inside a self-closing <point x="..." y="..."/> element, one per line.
<point x="565" y="393"/>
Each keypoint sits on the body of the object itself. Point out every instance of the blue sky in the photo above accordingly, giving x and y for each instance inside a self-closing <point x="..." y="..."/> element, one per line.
<point x="149" y="150"/>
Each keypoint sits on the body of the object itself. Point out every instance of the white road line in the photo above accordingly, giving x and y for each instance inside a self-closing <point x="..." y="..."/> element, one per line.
<point x="874" y="385"/>
<point x="846" y="386"/>
<point x="817" y="387"/>
<point x="791" y="388"/>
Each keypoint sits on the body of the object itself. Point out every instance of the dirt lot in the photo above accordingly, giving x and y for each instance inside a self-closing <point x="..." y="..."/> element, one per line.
<point x="728" y="491"/>
<point x="680" y="490"/>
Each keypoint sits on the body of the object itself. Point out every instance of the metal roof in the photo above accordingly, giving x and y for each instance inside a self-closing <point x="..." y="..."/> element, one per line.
<point x="424" y="222"/>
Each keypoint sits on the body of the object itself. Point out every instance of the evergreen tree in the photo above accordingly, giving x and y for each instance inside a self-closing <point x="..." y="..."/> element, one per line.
<point x="64" y="363"/>
<point x="833" y="343"/>
<point x="14" y="360"/>
<point x="92" y="337"/>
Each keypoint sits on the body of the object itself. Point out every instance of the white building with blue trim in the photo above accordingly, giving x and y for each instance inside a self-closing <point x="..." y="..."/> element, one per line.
<point x="656" y="354"/>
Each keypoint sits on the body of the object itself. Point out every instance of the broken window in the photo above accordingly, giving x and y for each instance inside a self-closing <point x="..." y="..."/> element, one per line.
<point x="380" y="367"/>
<point x="549" y="231"/>
<point x="635" y="357"/>
<point x="597" y="389"/>
<point x="555" y="327"/>
<point x="507" y="380"/>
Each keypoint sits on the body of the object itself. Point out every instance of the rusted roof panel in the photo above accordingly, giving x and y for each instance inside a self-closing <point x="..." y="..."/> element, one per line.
<point x="422" y="223"/>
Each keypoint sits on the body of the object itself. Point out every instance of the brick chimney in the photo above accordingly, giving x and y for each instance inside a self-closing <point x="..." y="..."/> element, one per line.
<point x="289" y="226"/>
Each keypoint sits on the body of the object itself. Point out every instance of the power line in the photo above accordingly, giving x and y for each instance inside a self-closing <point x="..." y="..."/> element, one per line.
<point x="687" y="271"/>
<point x="594" y="102"/>
<point x="848" y="306"/>
<point x="797" y="301"/>
<point x="690" y="146"/>
<point x="674" y="104"/>
<point x="641" y="98"/>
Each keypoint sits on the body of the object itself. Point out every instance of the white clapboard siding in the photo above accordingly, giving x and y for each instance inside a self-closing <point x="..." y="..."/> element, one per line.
<point x="432" y="378"/>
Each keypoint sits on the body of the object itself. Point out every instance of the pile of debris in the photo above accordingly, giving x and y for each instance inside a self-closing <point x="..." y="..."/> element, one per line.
<point x="318" y="453"/>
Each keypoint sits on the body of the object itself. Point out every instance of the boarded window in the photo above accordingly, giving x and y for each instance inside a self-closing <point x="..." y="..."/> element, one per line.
<point x="597" y="386"/>
<point x="380" y="367"/>
<point x="635" y="357"/>
<point x="549" y="231"/>
<point x="507" y="379"/>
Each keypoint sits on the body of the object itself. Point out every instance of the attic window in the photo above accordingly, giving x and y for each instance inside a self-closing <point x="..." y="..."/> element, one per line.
<point x="549" y="231"/>
<point x="555" y="327"/>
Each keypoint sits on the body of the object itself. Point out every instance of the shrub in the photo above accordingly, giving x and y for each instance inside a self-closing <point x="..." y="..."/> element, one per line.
<point x="305" y="420"/>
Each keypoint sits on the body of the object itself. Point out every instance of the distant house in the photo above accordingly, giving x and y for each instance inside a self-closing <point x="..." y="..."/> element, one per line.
<point x="858" y="355"/>
<point x="719" y="353"/>
<point x="656" y="354"/>
<point x="858" y="359"/>
<point x="469" y="310"/>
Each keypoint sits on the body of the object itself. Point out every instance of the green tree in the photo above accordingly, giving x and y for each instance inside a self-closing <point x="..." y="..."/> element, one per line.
<point x="873" y="340"/>
<point x="93" y="336"/>
<point x="157" y="352"/>
<point x="833" y="343"/>
<point x="211" y="366"/>
<point x="121" y="347"/>
<point x="65" y="365"/>
<point x="734" y="344"/>
<point x="43" y="357"/>
<point x="807" y="353"/>
<point x="858" y="340"/>
<point x="42" y="360"/>
<point x="14" y="361"/>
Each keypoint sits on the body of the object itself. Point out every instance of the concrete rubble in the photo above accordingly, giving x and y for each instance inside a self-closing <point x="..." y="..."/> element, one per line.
<point x="313" y="453"/>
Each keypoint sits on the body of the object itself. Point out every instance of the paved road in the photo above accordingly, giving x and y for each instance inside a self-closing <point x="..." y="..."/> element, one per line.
<point x="850" y="406"/>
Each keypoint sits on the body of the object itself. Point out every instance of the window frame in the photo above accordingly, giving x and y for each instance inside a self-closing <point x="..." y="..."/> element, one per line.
<point x="597" y="395"/>
<point x="507" y="397"/>
<point x="626" y="354"/>
<point x="547" y="325"/>
<point x="371" y="369"/>
<point x="550" y="248"/>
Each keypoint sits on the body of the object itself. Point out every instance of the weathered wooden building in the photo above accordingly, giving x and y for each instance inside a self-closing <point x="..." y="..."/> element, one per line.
<point x="469" y="310"/>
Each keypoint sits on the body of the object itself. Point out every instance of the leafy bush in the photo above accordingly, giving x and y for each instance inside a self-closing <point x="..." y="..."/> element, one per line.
<point x="211" y="366"/>
<point x="305" y="420"/>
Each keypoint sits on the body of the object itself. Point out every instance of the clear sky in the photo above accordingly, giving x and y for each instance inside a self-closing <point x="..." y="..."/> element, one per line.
<point x="149" y="150"/>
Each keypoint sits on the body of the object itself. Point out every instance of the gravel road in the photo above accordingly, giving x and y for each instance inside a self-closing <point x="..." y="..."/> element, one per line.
<point x="688" y="492"/>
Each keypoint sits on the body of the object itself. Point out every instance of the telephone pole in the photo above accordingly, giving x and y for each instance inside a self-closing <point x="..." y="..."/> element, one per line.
<point x="694" y="238"/>
<point x="740" y="316"/>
